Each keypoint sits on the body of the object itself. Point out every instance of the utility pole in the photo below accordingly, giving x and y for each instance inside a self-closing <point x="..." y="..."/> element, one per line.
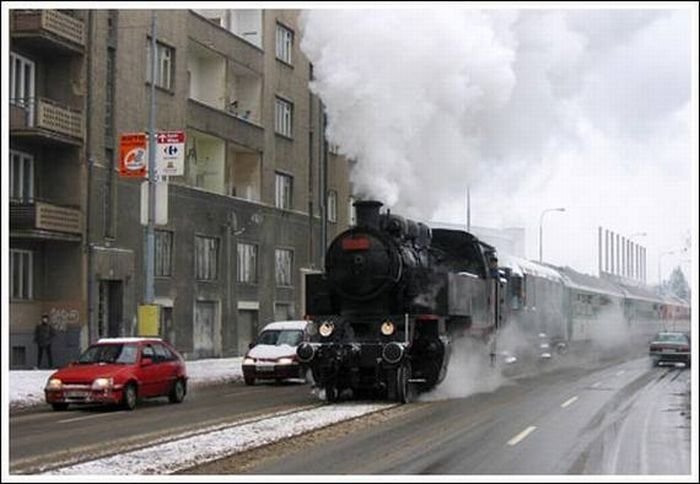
<point x="149" y="256"/>
<point x="469" y="211"/>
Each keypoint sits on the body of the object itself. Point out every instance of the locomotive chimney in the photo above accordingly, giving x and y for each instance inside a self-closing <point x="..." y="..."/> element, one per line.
<point x="367" y="212"/>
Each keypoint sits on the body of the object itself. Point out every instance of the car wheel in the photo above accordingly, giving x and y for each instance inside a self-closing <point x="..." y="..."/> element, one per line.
<point x="129" y="400"/>
<point x="249" y="380"/>
<point x="177" y="393"/>
<point x="59" y="406"/>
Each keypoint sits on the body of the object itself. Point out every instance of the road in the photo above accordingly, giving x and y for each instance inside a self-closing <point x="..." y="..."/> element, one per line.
<point x="597" y="418"/>
<point x="42" y="437"/>
<point x="626" y="418"/>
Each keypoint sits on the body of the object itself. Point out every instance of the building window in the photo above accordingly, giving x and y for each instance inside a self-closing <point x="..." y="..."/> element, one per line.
<point x="21" y="177"/>
<point x="110" y="219"/>
<point x="164" y="65"/>
<point x="247" y="263"/>
<point x="206" y="258"/>
<point x="283" y="266"/>
<point x="21" y="80"/>
<point x="352" y="215"/>
<point x="283" y="191"/>
<point x="332" y="206"/>
<point x="283" y="117"/>
<point x="21" y="270"/>
<point x="285" y="41"/>
<point x="109" y="98"/>
<point x="164" y="253"/>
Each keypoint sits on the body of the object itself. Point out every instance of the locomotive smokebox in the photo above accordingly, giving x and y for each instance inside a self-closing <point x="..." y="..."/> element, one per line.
<point x="367" y="212"/>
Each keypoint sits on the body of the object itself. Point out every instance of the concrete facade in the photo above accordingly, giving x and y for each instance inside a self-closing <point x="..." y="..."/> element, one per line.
<point x="222" y="92"/>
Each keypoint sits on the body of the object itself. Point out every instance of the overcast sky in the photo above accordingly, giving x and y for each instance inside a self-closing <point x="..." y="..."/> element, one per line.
<point x="589" y="109"/>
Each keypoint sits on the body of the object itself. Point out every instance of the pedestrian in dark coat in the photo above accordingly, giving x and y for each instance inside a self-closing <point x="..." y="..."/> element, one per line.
<point x="43" y="336"/>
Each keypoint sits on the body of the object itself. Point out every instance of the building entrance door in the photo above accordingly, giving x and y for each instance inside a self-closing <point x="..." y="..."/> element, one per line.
<point x="110" y="309"/>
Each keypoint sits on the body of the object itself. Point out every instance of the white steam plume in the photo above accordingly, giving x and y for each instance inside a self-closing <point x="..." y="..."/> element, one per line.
<point x="405" y="91"/>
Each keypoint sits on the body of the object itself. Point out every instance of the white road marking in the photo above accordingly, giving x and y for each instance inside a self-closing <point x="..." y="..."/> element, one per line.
<point x="596" y="384"/>
<point x="569" y="402"/>
<point x="521" y="435"/>
<point x="88" y="417"/>
<point x="619" y="373"/>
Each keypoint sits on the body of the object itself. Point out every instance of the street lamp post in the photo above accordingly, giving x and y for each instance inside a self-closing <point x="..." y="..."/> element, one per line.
<point x="541" y="217"/>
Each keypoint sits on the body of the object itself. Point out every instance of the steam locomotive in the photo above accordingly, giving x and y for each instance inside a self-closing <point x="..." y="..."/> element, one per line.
<point x="393" y="297"/>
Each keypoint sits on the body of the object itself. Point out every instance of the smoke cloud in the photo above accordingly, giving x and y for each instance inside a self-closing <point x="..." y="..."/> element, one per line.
<point x="587" y="109"/>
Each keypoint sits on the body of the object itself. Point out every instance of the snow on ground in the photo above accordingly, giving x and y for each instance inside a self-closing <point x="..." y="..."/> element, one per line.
<point x="26" y="387"/>
<point x="172" y="456"/>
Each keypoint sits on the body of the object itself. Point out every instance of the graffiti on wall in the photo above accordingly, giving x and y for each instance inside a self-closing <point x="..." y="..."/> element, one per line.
<point x="62" y="317"/>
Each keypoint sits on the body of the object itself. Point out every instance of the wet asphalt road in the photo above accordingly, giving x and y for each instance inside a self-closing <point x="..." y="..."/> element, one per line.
<point x="599" y="418"/>
<point x="42" y="436"/>
<point x="624" y="418"/>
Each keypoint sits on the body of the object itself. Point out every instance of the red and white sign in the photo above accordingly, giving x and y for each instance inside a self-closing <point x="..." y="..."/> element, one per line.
<point x="133" y="157"/>
<point x="170" y="153"/>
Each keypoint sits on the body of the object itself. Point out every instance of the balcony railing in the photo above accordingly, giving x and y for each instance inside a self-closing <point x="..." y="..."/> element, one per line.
<point x="53" y="23"/>
<point x="45" y="216"/>
<point x="45" y="114"/>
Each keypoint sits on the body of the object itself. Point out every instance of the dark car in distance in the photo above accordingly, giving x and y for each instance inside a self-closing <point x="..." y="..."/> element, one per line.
<point x="670" y="347"/>
<point x="119" y="371"/>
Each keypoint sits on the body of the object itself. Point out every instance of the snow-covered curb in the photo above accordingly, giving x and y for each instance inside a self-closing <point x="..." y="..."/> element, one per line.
<point x="26" y="387"/>
<point x="184" y="453"/>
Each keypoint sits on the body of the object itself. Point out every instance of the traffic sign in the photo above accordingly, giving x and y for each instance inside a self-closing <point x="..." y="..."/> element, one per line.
<point x="133" y="158"/>
<point x="170" y="153"/>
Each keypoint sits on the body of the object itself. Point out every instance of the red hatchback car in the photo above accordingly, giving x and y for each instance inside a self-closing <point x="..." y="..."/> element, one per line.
<point x="120" y="371"/>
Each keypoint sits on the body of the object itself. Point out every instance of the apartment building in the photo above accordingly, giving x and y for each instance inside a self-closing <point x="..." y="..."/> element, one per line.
<point x="245" y="219"/>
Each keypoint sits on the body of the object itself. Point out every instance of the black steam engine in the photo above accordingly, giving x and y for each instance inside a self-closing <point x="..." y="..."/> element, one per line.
<point x="393" y="295"/>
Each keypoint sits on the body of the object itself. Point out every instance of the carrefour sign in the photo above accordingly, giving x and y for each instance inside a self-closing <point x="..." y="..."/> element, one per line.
<point x="170" y="154"/>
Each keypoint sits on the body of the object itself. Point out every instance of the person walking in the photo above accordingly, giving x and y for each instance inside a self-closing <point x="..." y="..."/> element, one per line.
<point x="43" y="336"/>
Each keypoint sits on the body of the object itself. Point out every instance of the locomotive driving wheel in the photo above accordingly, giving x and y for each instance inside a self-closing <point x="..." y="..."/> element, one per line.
<point x="403" y="393"/>
<point x="332" y="393"/>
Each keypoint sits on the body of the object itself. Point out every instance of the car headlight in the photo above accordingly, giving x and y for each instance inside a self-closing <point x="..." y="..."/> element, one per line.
<point x="54" y="384"/>
<point x="311" y="328"/>
<point x="248" y="361"/>
<point x="285" y="361"/>
<point x="102" y="383"/>
<point x="326" y="328"/>
<point x="388" y="328"/>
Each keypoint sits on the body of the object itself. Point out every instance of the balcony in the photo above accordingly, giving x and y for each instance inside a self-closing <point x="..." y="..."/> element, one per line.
<point x="225" y="125"/>
<point x="48" y="30"/>
<point x="42" y="220"/>
<point x="46" y="121"/>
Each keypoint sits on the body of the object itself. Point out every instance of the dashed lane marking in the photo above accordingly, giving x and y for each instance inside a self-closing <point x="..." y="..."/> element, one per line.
<point x="569" y="402"/>
<point x="88" y="417"/>
<point x="521" y="435"/>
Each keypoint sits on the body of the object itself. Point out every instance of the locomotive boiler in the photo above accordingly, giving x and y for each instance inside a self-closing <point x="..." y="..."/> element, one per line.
<point x="393" y="296"/>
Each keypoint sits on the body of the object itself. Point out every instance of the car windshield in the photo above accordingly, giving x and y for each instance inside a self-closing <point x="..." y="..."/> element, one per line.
<point x="116" y="353"/>
<point x="277" y="337"/>
<point x="671" y="338"/>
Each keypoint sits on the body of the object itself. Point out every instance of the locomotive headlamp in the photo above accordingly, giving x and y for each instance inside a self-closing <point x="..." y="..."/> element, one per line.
<point x="388" y="328"/>
<point x="326" y="328"/>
